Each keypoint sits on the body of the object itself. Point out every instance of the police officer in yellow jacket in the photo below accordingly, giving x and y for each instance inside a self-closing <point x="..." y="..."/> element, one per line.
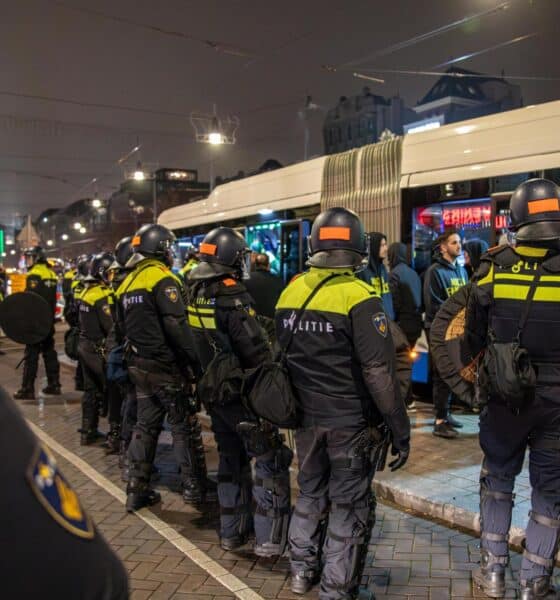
<point x="223" y="322"/>
<point x="43" y="281"/>
<point x="161" y="360"/>
<point x="341" y="361"/>
<point x="95" y="309"/>
<point x="514" y="285"/>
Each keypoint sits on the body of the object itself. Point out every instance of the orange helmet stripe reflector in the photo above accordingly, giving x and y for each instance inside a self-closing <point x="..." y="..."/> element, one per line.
<point x="208" y="249"/>
<point x="136" y="240"/>
<point x="545" y="205"/>
<point x="334" y="233"/>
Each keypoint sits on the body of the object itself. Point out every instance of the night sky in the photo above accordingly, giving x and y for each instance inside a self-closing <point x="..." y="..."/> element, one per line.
<point x="254" y="59"/>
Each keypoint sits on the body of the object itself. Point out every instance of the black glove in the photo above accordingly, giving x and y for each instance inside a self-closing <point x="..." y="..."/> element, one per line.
<point x="402" y="456"/>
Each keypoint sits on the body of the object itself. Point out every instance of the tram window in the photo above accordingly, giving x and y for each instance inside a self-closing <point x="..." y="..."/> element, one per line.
<point x="264" y="238"/>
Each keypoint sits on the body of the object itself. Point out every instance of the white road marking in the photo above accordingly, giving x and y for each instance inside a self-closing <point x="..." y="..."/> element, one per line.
<point x="214" y="569"/>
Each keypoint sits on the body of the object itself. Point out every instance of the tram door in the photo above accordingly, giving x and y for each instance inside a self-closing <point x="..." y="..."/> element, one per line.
<point x="284" y="242"/>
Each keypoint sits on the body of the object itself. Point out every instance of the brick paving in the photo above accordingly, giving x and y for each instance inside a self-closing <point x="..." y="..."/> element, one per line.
<point x="408" y="557"/>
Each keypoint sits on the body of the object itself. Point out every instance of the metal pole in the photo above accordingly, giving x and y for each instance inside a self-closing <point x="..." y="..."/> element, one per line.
<point x="154" y="199"/>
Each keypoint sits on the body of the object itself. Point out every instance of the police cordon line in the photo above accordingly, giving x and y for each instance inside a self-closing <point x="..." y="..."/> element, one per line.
<point x="153" y="345"/>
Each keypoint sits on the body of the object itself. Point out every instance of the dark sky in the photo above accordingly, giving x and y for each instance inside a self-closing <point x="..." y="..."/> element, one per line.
<point x="269" y="58"/>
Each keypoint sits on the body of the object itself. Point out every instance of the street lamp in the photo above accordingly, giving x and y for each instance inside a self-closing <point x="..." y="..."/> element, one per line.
<point x="139" y="174"/>
<point x="64" y="237"/>
<point x="50" y="242"/>
<point x="83" y="230"/>
<point x="96" y="203"/>
<point x="77" y="226"/>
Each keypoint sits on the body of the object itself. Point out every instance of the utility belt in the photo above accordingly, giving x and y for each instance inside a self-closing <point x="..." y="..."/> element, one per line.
<point x="97" y="346"/>
<point x="370" y="453"/>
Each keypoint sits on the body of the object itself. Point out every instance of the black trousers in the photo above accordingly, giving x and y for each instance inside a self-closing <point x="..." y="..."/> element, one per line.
<point x="95" y="382"/>
<point x="31" y="362"/>
<point x="334" y="480"/>
<point x="504" y="438"/>
<point x="441" y="393"/>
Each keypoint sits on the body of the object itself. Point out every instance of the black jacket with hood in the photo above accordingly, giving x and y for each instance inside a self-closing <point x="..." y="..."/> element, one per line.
<point x="375" y="274"/>
<point x="406" y="290"/>
<point x="475" y="248"/>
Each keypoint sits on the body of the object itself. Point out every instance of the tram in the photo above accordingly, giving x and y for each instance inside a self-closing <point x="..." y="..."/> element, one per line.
<point x="411" y="188"/>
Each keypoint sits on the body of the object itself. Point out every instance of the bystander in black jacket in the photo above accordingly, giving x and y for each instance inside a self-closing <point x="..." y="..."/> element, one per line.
<point x="406" y="289"/>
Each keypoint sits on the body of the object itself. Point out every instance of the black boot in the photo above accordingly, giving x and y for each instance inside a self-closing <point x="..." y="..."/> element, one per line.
<point x="140" y="494"/>
<point x="303" y="581"/>
<point x="197" y="487"/>
<point x="233" y="543"/>
<point x="113" y="442"/>
<point x="540" y="587"/>
<point x="25" y="394"/>
<point x="52" y="389"/>
<point x="491" y="576"/>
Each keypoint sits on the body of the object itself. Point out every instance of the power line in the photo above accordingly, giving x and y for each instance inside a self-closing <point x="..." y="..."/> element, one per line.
<point x="221" y="47"/>
<point x="459" y="75"/>
<point x="421" y="37"/>
<point x="515" y="40"/>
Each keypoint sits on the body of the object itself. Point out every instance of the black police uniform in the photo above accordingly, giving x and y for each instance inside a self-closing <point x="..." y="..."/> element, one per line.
<point x="160" y="362"/>
<point x="95" y="308"/>
<point x="501" y="286"/>
<point x="342" y="364"/>
<point x="221" y="308"/>
<point x="516" y="299"/>
<point x="441" y="281"/>
<point x="59" y="553"/>
<point x="43" y="281"/>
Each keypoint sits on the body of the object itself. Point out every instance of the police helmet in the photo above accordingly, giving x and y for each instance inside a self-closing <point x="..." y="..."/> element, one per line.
<point x="99" y="267"/>
<point x="222" y="251"/>
<point x="152" y="241"/>
<point x="123" y="252"/>
<point x="337" y="239"/>
<point x="535" y="211"/>
<point x="37" y="253"/>
<point x="82" y="265"/>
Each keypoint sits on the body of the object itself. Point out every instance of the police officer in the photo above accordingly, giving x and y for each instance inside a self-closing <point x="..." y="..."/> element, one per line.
<point x="223" y="320"/>
<point x="123" y="253"/>
<point x="43" y="281"/>
<point x="442" y="279"/>
<point x="161" y="360"/>
<point x="191" y="261"/>
<point x="95" y="307"/>
<point x="47" y="518"/>
<point x="499" y="296"/>
<point x="341" y="361"/>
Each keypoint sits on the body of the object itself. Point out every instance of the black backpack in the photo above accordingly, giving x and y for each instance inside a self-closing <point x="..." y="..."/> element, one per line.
<point x="268" y="388"/>
<point x="507" y="374"/>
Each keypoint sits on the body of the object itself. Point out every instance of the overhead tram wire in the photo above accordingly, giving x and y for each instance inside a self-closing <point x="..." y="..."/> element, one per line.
<point x="456" y="75"/>
<point x="419" y="38"/>
<point x="221" y="47"/>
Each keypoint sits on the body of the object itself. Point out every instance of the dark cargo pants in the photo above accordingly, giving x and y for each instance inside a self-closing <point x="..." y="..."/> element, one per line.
<point x="31" y="362"/>
<point x="335" y="490"/>
<point x="504" y="437"/>
<point x="270" y="488"/>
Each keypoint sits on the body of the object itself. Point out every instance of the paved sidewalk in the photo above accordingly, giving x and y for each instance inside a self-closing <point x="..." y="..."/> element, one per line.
<point x="409" y="557"/>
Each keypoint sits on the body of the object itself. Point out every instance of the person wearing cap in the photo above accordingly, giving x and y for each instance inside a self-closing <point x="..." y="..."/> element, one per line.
<point x="40" y="280"/>
<point x="341" y="360"/>
<point x="515" y="300"/>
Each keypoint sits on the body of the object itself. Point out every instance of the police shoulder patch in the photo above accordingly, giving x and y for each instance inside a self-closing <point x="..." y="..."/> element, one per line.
<point x="56" y="495"/>
<point x="106" y="309"/>
<point x="172" y="293"/>
<point x="380" y="324"/>
<point x="33" y="283"/>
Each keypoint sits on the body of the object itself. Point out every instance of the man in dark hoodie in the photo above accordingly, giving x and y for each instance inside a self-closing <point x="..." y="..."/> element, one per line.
<point x="442" y="279"/>
<point x="406" y="290"/>
<point x="473" y="250"/>
<point x="375" y="274"/>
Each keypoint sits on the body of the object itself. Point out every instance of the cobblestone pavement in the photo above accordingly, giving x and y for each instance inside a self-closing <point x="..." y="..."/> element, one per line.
<point x="408" y="557"/>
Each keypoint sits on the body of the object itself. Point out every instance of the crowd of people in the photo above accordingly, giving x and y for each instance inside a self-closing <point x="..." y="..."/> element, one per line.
<point x="152" y="345"/>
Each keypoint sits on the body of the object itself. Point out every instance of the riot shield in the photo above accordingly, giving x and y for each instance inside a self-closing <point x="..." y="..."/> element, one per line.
<point x="447" y="346"/>
<point x="26" y="318"/>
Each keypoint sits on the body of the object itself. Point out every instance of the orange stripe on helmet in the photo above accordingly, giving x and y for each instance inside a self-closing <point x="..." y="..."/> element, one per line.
<point x="208" y="249"/>
<point x="334" y="233"/>
<point x="136" y="240"/>
<point x="545" y="205"/>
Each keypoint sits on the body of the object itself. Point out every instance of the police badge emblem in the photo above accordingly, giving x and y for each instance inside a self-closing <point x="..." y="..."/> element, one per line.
<point x="106" y="309"/>
<point x="56" y="495"/>
<point x="172" y="293"/>
<point x="380" y="324"/>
